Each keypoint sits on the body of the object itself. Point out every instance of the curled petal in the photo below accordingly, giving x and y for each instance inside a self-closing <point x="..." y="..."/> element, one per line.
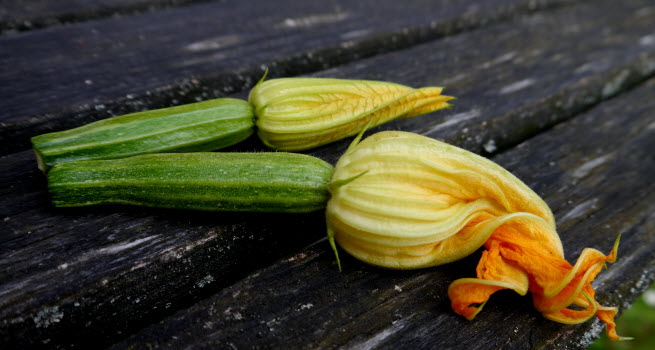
<point x="468" y="295"/>
<point x="607" y="314"/>
<point x="569" y="316"/>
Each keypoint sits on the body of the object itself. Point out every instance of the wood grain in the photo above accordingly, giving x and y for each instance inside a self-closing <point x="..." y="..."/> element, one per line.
<point x="304" y="302"/>
<point x="71" y="278"/>
<point x="35" y="14"/>
<point x="68" y="76"/>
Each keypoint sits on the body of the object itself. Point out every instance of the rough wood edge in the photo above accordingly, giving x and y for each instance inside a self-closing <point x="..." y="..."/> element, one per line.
<point x="36" y="21"/>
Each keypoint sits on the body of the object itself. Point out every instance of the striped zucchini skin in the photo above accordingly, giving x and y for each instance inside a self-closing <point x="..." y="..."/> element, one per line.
<point x="203" y="126"/>
<point x="257" y="182"/>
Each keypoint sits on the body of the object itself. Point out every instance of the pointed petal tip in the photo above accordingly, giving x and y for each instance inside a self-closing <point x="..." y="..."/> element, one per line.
<point x="477" y="311"/>
<point x="624" y="338"/>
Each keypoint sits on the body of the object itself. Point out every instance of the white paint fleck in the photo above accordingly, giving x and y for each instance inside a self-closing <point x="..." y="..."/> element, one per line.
<point x="641" y="282"/>
<point x="613" y="86"/>
<point x="451" y="80"/>
<point x="578" y="210"/>
<point x="62" y="266"/>
<point x="647" y="40"/>
<point x="593" y="67"/>
<point x="455" y="119"/>
<point x="397" y="288"/>
<point x="305" y="307"/>
<point x="376" y="340"/>
<point x="176" y="252"/>
<point x="309" y="21"/>
<point x="517" y="86"/>
<point x="354" y="34"/>
<point x="273" y="322"/>
<point x="201" y="60"/>
<point x="88" y="82"/>
<point x="498" y="60"/>
<point x="348" y="44"/>
<point x="48" y="316"/>
<point x="139" y="265"/>
<point x="205" y="281"/>
<point x="116" y="248"/>
<point x="490" y="146"/>
<point x="235" y="315"/>
<point x="6" y="219"/>
<point x="588" y="166"/>
<point x="214" y="43"/>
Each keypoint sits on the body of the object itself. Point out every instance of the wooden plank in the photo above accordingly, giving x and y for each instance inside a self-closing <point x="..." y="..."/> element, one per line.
<point x="100" y="255"/>
<point x="573" y="65"/>
<point x="597" y="190"/>
<point x="68" y="76"/>
<point x="33" y="14"/>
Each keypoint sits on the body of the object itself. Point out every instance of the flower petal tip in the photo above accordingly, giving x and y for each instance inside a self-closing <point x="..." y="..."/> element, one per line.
<point x="477" y="308"/>
<point x="623" y="338"/>
<point x="613" y="254"/>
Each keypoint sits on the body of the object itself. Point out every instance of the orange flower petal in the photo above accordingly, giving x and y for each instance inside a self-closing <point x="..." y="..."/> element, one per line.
<point x="468" y="295"/>
<point x="553" y="282"/>
<point x="606" y="314"/>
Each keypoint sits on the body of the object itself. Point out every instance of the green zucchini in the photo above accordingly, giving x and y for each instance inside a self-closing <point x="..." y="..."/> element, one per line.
<point x="203" y="126"/>
<point x="258" y="182"/>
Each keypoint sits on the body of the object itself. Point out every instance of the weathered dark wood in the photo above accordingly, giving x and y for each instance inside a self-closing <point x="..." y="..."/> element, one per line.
<point x="597" y="189"/>
<point x="583" y="55"/>
<point x="67" y="76"/>
<point x="33" y="14"/>
<point x="100" y="255"/>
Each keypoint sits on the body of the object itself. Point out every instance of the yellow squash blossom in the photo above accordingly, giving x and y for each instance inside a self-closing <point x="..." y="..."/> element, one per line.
<point x="403" y="201"/>
<point x="294" y="114"/>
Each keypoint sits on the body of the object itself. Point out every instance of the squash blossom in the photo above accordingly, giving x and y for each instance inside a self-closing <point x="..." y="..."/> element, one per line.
<point x="295" y="114"/>
<point x="403" y="201"/>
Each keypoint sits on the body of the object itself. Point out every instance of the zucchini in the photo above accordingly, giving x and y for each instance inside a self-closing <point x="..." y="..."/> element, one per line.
<point x="258" y="182"/>
<point x="203" y="126"/>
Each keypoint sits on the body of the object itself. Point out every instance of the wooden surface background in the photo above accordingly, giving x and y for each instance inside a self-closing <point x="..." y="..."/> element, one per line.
<point x="561" y="93"/>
